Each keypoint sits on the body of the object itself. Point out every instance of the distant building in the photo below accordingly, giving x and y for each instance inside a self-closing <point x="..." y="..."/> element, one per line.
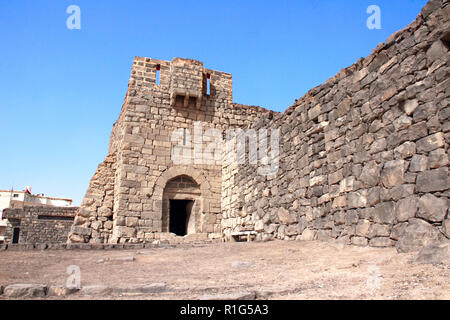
<point x="20" y="199"/>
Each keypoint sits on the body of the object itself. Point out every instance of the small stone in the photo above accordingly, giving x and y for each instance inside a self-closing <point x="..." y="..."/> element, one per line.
<point x="432" y="208"/>
<point x="308" y="235"/>
<point x="402" y="122"/>
<point x="60" y="291"/>
<point x="25" y="291"/>
<point x="259" y="225"/>
<point x="144" y="252"/>
<point x="419" y="163"/>
<point x="410" y="106"/>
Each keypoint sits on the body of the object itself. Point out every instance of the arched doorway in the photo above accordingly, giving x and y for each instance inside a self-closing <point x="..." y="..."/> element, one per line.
<point x="181" y="206"/>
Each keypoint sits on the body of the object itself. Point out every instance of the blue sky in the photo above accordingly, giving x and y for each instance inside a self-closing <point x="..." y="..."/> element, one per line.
<point x="63" y="89"/>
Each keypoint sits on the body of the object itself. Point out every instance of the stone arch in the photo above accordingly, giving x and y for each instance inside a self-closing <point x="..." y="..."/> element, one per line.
<point x="201" y="206"/>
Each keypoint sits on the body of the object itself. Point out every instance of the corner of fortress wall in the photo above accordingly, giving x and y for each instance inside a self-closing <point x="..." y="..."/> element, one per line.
<point x="363" y="157"/>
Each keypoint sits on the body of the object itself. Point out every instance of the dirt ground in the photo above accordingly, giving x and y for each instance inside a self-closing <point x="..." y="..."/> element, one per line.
<point x="274" y="270"/>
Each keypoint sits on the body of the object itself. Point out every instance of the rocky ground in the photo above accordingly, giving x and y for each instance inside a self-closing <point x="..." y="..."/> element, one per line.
<point x="271" y="270"/>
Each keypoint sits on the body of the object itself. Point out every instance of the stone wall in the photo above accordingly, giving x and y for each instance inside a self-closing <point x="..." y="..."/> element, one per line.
<point x="40" y="224"/>
<point x="124" y="202"/>
<point x="364" y="157"/>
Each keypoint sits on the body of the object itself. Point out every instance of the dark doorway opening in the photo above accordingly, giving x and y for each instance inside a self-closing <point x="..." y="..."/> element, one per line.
<point x="16" y="233"/>
<point x="180" y="212"/>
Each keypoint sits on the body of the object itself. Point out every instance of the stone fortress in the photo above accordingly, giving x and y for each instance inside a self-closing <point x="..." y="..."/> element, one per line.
<point x="363" y="157"/>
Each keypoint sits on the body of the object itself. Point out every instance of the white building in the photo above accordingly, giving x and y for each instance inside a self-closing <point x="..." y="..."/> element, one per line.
<point x="15" y="199"/>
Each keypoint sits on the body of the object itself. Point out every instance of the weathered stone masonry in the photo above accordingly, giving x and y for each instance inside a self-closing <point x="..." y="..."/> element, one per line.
<point x="364" y="157"/>
<point x="40" y="224"/>
<point x="128" y="198"/>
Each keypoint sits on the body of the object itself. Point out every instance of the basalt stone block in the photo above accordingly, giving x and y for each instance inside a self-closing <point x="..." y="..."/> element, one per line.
<point x="379" y="230"/>
<point x="285" y="217"/>
<point x="359" y="241"/>
<point x="431" y="143"/>
<point x="362" y="228"/>
<point x="81" y="231"/>
<point x="433" y="180"/>
<point x="370" y="174"/>
<point x="384" y="213"/>
<point x="416" y="235"/>
<point x="406" y="150"/>
<point x="393" y="173"/>
<point x="432" y="208"/>
<point x="419" y="163"/>
<point x="438" y="158"/>
<point x="398" y="230"/>
<point x="434" y="254"/>
<point x="308" y="235"/>
<point x="381" y="242"/>
<point x="446" y="227"/>
<point x="406" y="209"/>
<point x="357" y="199"/>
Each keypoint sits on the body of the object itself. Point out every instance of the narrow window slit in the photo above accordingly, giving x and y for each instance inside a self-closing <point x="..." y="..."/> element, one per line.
<point x="158" y="74"/>
<point x="208" y="84"/>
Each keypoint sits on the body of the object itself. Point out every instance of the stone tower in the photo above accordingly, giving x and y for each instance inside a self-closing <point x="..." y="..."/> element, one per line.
<point x="133" y="194"/>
